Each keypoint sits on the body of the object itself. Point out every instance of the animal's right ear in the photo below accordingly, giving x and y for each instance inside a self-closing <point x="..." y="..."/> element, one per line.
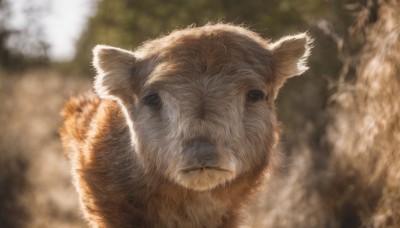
<point x="115" y="71"/>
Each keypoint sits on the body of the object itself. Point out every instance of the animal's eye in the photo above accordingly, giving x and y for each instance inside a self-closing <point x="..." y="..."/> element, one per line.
<point x="255" y="95"/>
<point x="153" y="100"/>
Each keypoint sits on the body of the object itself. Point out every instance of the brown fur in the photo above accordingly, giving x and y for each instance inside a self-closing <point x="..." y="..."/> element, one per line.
<point x="128" y="158"/>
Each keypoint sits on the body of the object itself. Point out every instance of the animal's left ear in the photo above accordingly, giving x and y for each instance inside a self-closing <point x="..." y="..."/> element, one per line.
<point x="290" y="55"/>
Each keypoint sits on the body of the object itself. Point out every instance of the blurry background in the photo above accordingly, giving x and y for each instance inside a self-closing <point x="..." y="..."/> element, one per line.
<point x="340" y="120"/>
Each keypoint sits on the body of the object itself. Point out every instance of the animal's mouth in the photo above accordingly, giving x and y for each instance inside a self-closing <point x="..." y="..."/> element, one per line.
<point x="204" y="168"/>
<point x="203" y="177"/>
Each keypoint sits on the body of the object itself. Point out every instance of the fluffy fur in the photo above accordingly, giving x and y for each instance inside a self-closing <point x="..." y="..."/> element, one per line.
<point x="128" y="157"/>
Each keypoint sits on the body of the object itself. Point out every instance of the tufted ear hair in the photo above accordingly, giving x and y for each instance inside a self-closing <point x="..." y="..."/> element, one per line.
<point x="115" y="72"/>
<point x="290" y="55"/>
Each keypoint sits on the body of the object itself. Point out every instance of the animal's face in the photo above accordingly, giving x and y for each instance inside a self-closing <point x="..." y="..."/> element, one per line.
<point x="200" y="103"/>
<point x="202" y="130"/>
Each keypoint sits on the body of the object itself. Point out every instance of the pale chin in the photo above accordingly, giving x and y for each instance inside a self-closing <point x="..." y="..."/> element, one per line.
<point x="203" y="179"/>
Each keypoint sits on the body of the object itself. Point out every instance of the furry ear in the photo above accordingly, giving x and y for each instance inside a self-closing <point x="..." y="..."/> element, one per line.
<point x="290" y="56"/>
<point x="115" y="69"/>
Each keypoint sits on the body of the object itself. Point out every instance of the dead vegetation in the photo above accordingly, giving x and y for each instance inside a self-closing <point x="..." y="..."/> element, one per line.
<point x="357" y="182"/>
<point x="34" y="176"/>
<point x="365" y="133"/>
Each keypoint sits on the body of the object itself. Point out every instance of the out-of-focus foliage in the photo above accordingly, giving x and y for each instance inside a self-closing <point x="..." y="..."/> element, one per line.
<point x="127" y="23"/>
<point x="5" y="55"/>
<point x="22" y="46"/>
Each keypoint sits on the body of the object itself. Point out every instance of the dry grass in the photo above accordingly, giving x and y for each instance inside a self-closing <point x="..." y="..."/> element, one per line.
<point x="34" y="177"/>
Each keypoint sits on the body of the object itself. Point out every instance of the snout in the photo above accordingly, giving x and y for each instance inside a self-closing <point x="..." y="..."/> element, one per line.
<point x="203" y="166"/>
<point x="200" y="153"/>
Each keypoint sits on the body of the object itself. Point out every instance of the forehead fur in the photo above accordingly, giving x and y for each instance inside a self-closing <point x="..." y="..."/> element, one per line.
<point x="210" y="50"/>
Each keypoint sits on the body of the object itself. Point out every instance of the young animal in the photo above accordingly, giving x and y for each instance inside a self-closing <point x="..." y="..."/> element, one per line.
<point x="184" y="129"/>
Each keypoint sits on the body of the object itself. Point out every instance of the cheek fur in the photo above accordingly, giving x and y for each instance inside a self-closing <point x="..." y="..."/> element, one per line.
<point x="150" y="131"/>
<point x="259" y="126"/>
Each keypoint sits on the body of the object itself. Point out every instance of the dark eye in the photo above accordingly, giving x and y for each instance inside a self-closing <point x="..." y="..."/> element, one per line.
<point x="255" y="95"/>
<point x="152" y="100"/>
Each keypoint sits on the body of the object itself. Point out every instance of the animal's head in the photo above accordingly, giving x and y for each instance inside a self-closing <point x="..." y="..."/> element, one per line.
<point x="200" y="101"/>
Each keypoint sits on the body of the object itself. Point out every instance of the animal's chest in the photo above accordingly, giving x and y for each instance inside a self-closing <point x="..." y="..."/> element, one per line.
<point x="201" y="210"/>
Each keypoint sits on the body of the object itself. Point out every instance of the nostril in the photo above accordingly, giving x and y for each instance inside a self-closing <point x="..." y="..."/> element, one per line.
<point x="209" y="158"/>
<point x="201" y="152"/>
